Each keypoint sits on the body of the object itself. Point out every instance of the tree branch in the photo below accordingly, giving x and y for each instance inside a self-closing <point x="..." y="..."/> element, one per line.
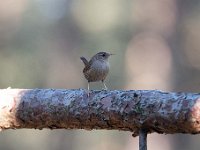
<point x="156" y="111"/>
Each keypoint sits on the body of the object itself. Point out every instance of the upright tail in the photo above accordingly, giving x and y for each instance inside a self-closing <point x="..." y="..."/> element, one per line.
<point x="86" y="63"/>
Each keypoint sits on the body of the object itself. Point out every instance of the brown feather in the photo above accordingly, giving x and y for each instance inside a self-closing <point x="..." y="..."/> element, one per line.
<point x="97" y="68"/>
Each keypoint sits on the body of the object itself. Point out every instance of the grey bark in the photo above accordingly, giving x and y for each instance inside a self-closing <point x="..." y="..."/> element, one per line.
<point x="157" y="111"/>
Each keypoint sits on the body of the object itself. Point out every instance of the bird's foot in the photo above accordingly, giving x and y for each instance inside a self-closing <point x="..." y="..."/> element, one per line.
<point x="89" y="93"/>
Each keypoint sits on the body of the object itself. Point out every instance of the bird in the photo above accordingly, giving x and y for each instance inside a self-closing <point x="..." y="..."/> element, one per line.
<point x="97" y="68"/>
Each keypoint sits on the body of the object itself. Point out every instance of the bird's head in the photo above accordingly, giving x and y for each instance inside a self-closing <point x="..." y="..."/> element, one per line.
<point x="102" y="55"/>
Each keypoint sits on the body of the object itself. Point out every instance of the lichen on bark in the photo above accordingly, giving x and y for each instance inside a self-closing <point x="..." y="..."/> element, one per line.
<point x="157" y="111"/>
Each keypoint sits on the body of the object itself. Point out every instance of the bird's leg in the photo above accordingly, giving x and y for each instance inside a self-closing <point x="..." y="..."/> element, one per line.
<point x="105" y="87"/>
<point x="88" y="91"/>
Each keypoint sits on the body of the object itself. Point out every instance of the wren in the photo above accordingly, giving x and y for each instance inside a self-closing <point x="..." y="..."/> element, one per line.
<point x="97" y="68"/>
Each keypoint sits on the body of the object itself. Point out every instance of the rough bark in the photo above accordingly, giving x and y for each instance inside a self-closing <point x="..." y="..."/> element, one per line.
<point x="154" y="110"/>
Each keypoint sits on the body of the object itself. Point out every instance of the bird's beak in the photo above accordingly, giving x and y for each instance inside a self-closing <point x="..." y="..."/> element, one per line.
<point x="111" y="54"/>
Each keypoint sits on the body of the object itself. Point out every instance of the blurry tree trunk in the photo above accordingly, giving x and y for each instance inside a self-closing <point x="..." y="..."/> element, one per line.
<point x="143" y="139"/>
<point x="155" y="111"/>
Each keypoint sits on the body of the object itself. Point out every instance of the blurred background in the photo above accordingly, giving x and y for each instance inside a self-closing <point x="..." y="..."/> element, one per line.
<point x="157" y="46"/>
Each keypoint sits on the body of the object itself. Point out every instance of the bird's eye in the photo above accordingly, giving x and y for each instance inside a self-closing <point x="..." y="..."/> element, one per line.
<point x="103" y="54"/>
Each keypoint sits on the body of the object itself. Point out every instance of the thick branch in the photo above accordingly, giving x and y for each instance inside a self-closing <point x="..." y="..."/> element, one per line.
<point x="115" y="110"/>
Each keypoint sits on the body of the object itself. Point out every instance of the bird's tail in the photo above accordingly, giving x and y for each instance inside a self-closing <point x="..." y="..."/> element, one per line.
<point x="86" y="63"/>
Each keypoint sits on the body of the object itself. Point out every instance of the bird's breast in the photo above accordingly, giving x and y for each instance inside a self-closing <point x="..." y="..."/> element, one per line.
<point x="98" y="71"/>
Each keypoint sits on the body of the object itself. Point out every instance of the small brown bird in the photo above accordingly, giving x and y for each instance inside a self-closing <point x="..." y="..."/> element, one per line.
<point x="97" y="68"/>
